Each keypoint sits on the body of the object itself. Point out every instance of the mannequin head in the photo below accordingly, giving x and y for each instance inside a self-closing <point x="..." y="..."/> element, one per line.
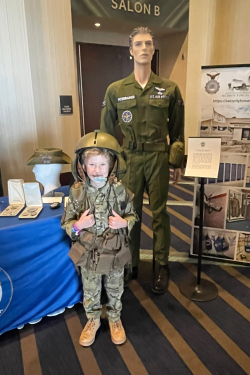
<point x="141" y="45"/>
<point x="48" y="175"/>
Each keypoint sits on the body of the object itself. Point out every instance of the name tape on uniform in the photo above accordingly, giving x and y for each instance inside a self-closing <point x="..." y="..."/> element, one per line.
<point x="159" y="97"/>
<point x="126" y="98"/>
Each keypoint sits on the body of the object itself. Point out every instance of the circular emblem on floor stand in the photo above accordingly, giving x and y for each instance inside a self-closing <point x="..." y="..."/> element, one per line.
<point x="6" y="291"/>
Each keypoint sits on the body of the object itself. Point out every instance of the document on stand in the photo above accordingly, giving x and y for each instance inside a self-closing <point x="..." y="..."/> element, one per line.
<point x="203" y="157"/>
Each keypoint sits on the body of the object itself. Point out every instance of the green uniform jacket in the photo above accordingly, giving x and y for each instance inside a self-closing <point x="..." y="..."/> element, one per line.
<point x="144" y="115"/>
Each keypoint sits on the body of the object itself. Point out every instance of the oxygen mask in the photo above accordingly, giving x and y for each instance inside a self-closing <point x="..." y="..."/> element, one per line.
<point x="100" y="179"/>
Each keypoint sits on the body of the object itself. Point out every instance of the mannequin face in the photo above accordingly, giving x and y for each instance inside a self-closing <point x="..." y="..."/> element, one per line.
<point x="39" y="172"/>
<point x="97" y="166"/>
<point x="48" y="175"/>
<point x="142" y="49"/>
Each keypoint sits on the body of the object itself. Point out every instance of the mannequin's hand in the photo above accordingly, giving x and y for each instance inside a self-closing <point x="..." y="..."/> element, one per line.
<point x="177" y="176"/>
<point x="116" y="221"/>
<point x="85" y="221"/>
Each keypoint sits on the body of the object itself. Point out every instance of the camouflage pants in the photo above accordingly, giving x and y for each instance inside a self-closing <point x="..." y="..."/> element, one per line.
<point x="92" y="288"/>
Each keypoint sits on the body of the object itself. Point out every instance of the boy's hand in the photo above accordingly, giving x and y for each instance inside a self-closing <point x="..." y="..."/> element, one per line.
<point x="85" y="221"/>
<point x="116" y="221"/>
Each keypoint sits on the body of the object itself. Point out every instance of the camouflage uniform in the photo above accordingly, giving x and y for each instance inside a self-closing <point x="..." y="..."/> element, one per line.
<point x="83" y="196"/>
<point x="92" y="286"/>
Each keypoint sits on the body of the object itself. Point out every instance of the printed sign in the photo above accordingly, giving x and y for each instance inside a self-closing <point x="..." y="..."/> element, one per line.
<point x="66" y="106"/>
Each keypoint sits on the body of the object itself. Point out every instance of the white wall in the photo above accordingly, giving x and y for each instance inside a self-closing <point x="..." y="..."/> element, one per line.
<point x="173" y="59"/>
<point x="36" y="66"/>
<point x="218" y="35"/>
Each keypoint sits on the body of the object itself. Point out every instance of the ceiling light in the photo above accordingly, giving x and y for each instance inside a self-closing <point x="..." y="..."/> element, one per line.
<point x="97" y="24"/>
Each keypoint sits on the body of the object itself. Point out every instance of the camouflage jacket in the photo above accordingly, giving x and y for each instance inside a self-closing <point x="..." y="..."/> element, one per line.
<point x="112" y="196"/>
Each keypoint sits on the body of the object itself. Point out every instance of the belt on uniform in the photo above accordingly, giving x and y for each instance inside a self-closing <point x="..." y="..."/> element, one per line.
<point x="146" y="146"/>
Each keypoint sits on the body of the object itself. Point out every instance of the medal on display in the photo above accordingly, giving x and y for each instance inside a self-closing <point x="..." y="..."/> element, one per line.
<point x="212" y="86"/>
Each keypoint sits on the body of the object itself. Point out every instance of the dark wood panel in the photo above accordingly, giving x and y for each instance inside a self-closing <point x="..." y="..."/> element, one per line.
<point x="99" y="66"/>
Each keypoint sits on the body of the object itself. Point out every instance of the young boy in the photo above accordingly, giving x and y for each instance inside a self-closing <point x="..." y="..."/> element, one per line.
<point x="98" y="218"/>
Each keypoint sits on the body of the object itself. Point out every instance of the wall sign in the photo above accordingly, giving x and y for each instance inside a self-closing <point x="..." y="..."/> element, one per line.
<point x="138" y="7"/>
<point x="159" y="13"/>
<point x="65" y="105"/>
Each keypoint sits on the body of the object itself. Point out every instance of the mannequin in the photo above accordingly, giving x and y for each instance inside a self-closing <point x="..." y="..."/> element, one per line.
<point x="49" y="176"/>
<point x="48" y="163"/>
<point x="150" y="112"/>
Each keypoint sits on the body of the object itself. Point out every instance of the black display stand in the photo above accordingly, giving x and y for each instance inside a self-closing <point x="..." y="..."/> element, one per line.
<point x="199" y="290"/>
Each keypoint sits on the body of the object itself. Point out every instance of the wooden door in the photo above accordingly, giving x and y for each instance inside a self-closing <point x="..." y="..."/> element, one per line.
<point x="98" y="66"/>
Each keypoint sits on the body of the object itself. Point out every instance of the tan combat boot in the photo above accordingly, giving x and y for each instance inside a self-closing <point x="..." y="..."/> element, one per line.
<point x="89" y="331"/>
<point x="118" y="335"/>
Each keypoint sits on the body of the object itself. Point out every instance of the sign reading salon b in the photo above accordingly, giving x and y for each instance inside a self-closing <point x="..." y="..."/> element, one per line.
<point x="158" y="13"/>
<point x="137" y="7"/>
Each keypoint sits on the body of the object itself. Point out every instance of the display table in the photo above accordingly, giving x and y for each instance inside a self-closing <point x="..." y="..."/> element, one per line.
<point x="37" y="277"/>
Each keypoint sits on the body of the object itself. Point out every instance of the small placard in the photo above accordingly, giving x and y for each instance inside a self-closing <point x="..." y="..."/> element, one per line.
<point x="66" y="105"/>
<point x="203" y="157"/>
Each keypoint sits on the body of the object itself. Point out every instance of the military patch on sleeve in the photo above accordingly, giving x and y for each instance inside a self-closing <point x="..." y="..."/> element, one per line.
<point x="180" y="102"/>
<point x="127" y="116"/>
<point x="104" y="103"/>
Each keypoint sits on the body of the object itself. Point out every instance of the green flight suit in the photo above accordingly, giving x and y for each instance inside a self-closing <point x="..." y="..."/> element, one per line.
<point x="146" y="117"/>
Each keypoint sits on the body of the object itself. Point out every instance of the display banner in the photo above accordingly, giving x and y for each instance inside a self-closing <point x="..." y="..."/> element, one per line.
<point x="225" y="113"/>
<point x="161" y="13"/>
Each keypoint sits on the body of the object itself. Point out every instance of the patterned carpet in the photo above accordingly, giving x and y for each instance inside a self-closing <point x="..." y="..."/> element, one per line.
<point x="166" y="334"/>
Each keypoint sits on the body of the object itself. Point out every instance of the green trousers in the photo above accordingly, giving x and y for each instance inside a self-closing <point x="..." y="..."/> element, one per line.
<point x="92" y="288"/>
<point x="149" y="171"/>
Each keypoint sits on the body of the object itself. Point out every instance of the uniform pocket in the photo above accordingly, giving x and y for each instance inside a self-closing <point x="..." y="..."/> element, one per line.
<point x="104" y="263"/>
<point x="125" y="104"/>
<point x="76" y="252"/>
<point x="158" y="111"/>
<point x="122" y="257"/>
<point x="160" y="103"/>
<point x="126" y="111"/>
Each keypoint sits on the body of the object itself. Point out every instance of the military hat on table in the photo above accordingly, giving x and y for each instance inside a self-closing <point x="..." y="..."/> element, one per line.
<point x="49" y="156"/>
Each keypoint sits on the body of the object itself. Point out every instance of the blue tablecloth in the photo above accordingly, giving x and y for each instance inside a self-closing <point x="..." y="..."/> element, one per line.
<point x="37" y="277"/>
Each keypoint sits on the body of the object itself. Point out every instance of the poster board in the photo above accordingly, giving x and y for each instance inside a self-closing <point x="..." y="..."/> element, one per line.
<point x="225" y="113"/>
